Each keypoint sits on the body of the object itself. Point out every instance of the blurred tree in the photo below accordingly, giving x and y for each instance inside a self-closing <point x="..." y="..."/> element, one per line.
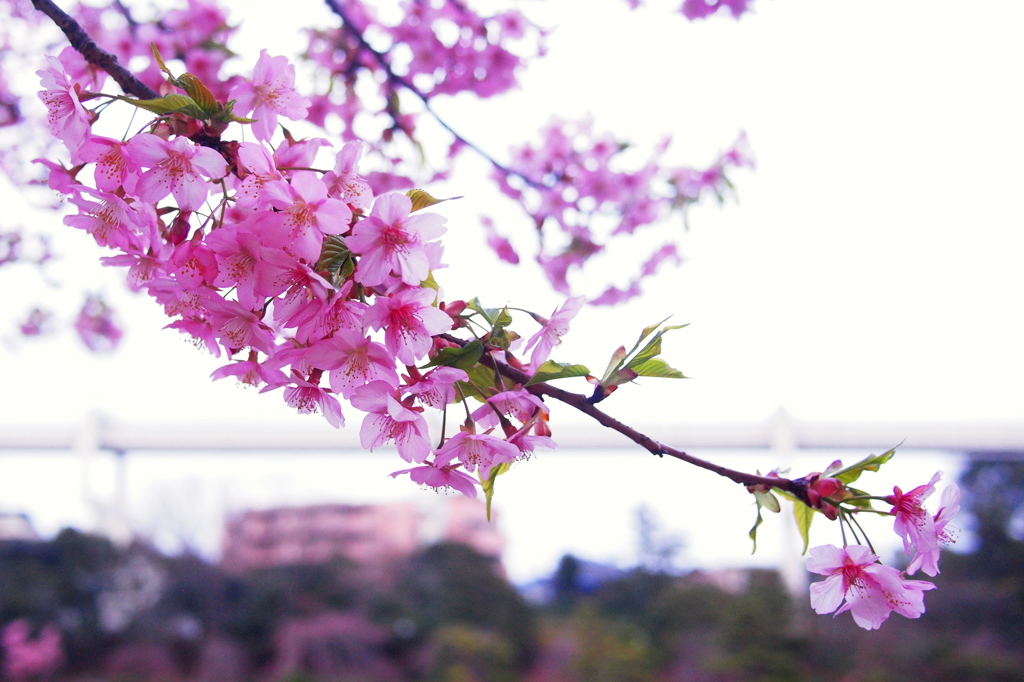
<point x="449" y="584"/>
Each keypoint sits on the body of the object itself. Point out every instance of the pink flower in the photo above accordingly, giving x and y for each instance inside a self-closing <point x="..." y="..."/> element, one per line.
<point x="353" y="360"/>
<point x="270" y="94"/>
<point x="344" y="181"/>
<point x="67" y="118"/>
<point x="477" y="451"/>
<point x="258" y="161"/>
<point x="501" y="246"/>
<point x="913" y="522"/>
<point x="408" y="321"/>
<point x="437" y="387"/>
<point x="96" y="327"/>
<point x="518" y="404"/>
<point x="234" y="326"/>
<point x="389" y="420"/>
<point x="249" y="373"/>
<point x="436" y="476"/>
<point x="306" y="207"/>
<point x="700" y="9"/>
<point x="110" y="220"/>
<point x="552" y="331"/>
<point x="945" y="535"/>
<point x="308" y="397"/>
<point x="392" y="241"/>
<point x="175" y="168"/>
<point x="318" y="319"/>
<point x="114" y="167"/>
<point x="871" y="591"/>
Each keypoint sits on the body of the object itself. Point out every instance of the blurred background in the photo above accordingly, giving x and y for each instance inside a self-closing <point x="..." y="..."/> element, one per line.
<point x="862" y="291"/>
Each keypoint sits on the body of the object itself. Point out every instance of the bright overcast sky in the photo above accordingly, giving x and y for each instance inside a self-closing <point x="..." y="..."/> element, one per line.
<point x="869" y="271"/>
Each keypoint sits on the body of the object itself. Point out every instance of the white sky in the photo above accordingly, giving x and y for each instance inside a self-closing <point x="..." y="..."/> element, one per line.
<point x="869" y="272"/>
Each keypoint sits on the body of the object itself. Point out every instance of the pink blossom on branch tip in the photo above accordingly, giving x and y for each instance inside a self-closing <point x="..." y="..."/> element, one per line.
<point x="552" y="330"/>
<point x="870" y="590"/>
<point x="442" y="476"/>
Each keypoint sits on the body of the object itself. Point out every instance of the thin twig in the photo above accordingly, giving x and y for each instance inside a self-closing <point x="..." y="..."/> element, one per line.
<point x="93" y="53"/>
<point x="395" y="79"/>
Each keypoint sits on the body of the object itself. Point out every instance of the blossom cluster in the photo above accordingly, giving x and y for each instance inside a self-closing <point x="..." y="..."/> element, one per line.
<point x="308" y="282"/>
<point x="574" y="180"/>
<point x="856" y="579"/>
<point x="375" y="78"/>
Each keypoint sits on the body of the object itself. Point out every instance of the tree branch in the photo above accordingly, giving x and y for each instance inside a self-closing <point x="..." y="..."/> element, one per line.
<point x="395" y="79"/>
<point x="583" y="404"/>
<point x="93" y="53"/>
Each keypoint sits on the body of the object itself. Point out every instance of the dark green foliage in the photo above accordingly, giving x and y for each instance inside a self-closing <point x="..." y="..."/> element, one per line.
<point x="453" y="584"/>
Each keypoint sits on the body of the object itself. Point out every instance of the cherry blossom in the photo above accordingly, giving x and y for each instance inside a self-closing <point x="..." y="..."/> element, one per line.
<point x="408" y="320"/>
<point x="389" y="420"/>
<point x="352" y="360"/>
<point x="270" y="94"/>
<point x="393" y="241"/>
<point x="442" y="476"/>
<point x="176" y="167"/>
<point x="67" y="118"/>
<point x="96" y="326"/>
<point x="871" y="591"/>
<point x="477" y="451"/>
<point x="308" y="397"/>
<point x="913" y="522"/>
<point x="928" y="559"/>
<point x="552" y="330"/>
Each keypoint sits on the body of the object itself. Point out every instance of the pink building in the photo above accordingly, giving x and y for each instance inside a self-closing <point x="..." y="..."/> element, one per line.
<point x="369" y="534"/>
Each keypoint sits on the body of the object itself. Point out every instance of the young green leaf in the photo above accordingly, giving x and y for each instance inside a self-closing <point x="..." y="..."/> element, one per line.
<point x="653" y="347"/>
<point x="803" y="515"/>
<point x="421" y="199"/>
<point x="462" y="358"/>
<point x="488" y="485"/>
<point x="656" y="367"/>
<point x="168" y="104"/>
<point x="552" y="370"/>
<point x="753" y="531"/>
<point x="870" y="463"/>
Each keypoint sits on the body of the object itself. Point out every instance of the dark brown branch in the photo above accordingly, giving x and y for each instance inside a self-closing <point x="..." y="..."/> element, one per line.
<point x="93" y="53"/>
<point x="583" y="404"/>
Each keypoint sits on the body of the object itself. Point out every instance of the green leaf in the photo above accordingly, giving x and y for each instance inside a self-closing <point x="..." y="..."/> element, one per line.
<point x="504" y="319"/>
<point x="753" y="531"/>
<point x="489" y="314"/>
<point x="870" y="463"/>
<point x="463" y="358"/>
<point x="644" y="334"/>
<point x="488" y="485"/>
<point x="478" y="376"/>
<point x="430" y="282"/>
<point x="333" y="254"/>
<point x="421" y="199"/>
<point x="803" y="515"/>
<point x="768" y="501"/>
<point x="199" y="93"/>
<point x="501" y="338"/>
<point x="168" y="104"/>
<point x="656" y="367"/>
<point x="552" y="370"/>
<point x="653" y="347"/>
<point x="159" y="59"/>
